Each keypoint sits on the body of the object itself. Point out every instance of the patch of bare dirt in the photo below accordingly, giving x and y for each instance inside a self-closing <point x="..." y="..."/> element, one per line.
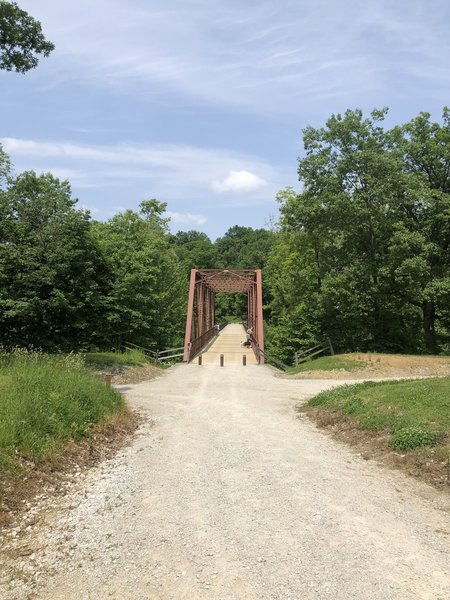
<point x="431" y="465"/>
<point x="136" y="374"/>
<point x="55" y="476"/>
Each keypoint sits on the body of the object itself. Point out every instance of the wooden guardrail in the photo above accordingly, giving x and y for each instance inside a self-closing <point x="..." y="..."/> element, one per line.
<point x="170" y="353"/>
<point x="304" y="355"/>
<point x="270" y="359"/>
<point x="156" y="355"/>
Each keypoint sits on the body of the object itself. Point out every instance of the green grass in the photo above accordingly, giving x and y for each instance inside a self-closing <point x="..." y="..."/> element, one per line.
<point x="415" y="412"/>
<point x="101" y="360"/>
<point x="329" y="363"/>
<point x="46" y="401"/>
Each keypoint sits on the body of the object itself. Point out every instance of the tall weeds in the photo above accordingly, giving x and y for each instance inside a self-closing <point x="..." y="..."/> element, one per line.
<point x="45" y="401"/>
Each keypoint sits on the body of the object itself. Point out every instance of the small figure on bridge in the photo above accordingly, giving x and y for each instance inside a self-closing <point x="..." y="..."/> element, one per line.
<point x="248" y="341"/>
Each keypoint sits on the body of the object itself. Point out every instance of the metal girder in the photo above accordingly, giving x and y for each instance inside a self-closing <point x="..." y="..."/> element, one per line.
<point x="226" y="280"/>
<point x="200" y="318"/>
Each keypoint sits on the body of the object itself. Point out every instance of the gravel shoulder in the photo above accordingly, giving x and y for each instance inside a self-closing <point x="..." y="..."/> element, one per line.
<point x="224" y="494"/>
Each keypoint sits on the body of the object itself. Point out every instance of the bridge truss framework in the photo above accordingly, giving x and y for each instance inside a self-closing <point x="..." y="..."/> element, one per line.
<point x="200" y="319"/>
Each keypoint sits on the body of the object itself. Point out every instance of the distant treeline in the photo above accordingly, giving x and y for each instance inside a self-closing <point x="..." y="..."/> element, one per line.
<point x="361" y="255"/>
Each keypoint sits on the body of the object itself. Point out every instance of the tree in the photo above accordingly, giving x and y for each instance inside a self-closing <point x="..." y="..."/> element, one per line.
<point x="425" y="277"/>
<point x="195" y="250"/>
<point x="244" y="247"/>
<point x="5" y="168"/>
<point x="21" y="39"/>
<point x="366" y="259"/>
<point x="147" y="299"/>
<point x="52" y="276"/>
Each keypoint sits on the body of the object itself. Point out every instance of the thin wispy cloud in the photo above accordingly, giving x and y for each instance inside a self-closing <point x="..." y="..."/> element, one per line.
<point x="170" y="170"/>
<point x="186" y="218"/>
<point x="248" y="54"/>
<point x="197" y="103"/>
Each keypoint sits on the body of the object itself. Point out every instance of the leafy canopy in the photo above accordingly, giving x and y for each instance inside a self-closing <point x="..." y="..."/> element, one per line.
<point x="21" y="39"/>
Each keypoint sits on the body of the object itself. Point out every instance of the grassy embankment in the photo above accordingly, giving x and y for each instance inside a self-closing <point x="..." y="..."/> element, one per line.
<point x="45" y="403"/>
<point x="404" y="423"/>
<point x="330" y="363"/>
<point x="410" y="418"/>
<point x="373" y="363"/>
<point x="105" y="360"/>
<point x="416" y="413"/>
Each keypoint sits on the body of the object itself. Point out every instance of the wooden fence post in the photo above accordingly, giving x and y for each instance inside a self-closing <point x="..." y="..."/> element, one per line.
<point x="330" y="346"/>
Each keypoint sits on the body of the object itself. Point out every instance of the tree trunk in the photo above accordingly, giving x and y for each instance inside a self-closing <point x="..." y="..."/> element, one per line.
<point x="429" y="316"/>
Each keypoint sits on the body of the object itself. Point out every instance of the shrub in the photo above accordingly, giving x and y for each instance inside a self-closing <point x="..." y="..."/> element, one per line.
<point x="409" y="438"/>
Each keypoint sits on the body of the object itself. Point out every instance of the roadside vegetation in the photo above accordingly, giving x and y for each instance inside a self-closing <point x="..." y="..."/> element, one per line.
<point x="373" y="364"/>
<point x="104" y="360"/>
<point x="410" y="418"/>
<point x="330" y="363"/>
<point x="46" y="403"/>
<point x="130" y="366"/>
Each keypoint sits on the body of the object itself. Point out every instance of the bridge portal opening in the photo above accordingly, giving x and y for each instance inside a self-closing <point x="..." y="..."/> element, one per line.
<point x="201" y="323"/>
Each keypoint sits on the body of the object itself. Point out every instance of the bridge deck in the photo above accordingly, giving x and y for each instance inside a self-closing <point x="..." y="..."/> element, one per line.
<point x="228" y="343"/>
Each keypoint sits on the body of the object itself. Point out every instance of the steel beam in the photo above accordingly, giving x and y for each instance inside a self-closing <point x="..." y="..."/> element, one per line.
<point x="259" y="314"/>
<point x="189" y="315"/>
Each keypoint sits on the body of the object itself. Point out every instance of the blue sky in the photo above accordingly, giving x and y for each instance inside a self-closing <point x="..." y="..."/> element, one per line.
<point x="201" y="103"/>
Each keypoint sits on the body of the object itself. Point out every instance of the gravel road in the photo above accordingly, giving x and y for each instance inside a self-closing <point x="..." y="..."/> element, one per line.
<point x="225" y="495"/>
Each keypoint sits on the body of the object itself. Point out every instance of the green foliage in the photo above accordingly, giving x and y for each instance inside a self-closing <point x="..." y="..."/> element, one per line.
<point x="67" y="282"/>
<point x="47" y="401"/>
<point x="147" y="298"/>
<point x="415" y="412"/>
<point x="21" y="39"/>
<point x="409" y="438"/>
<point x="52" y="275"/>
<point x="195" y="250"/>
<point x="102" y="360"/>
<point x="363" y="252"/>
<point x="244" y="248"/>
<point x="5" y="168"/>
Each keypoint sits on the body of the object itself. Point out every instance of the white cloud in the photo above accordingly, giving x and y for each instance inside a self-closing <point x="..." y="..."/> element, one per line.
<point x="186" y="218"/>
<point x="169" y="172"/>
<point x="239" y="181"/>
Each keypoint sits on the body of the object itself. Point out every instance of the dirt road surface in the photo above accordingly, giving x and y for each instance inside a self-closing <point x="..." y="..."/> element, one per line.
<point x="226" y="495"/>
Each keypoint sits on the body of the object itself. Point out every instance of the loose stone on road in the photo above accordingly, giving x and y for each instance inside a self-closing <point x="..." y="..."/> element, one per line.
<point x="226" y="495"/>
